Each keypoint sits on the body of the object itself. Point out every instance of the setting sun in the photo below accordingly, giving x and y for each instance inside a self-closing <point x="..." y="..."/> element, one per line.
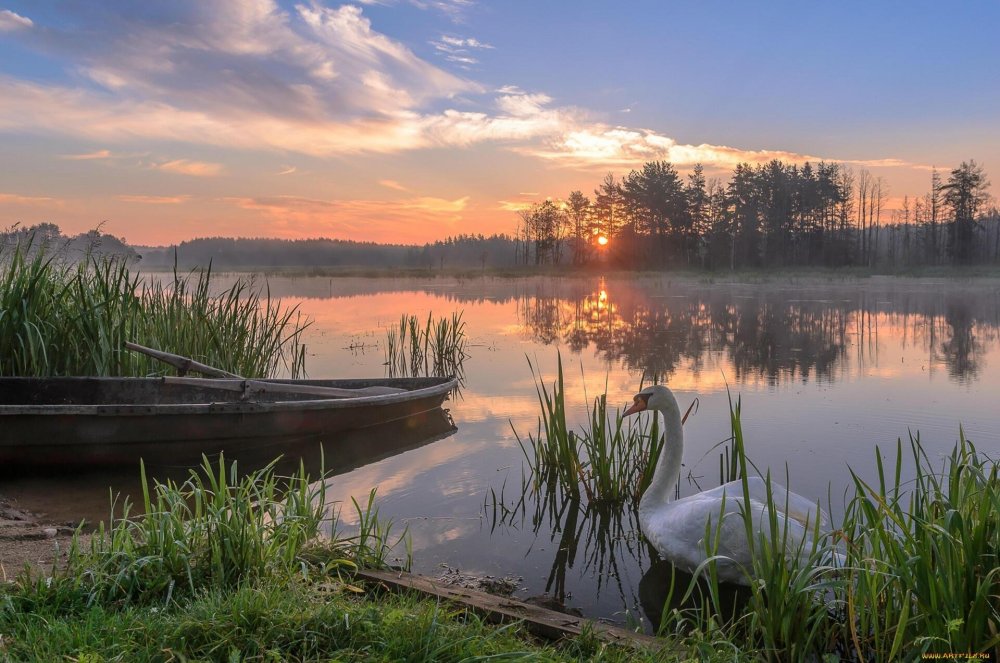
<point x="602" y="240"/>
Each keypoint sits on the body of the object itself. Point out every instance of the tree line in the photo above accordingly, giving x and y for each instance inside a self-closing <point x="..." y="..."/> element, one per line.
<point x="49" y="239"/>
<point x="463" y="251"/>
<point x="774" y="214"/>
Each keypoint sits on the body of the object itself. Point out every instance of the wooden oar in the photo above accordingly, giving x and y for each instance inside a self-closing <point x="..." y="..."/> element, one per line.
<point x="182" y="364"/>
<point x="240" y="384"/>
<point x="260" y="387"/>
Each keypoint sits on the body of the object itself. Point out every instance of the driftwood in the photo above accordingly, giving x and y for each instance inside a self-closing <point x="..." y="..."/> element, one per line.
<point x="247" y="387"/>
<point x="539" y="621"/>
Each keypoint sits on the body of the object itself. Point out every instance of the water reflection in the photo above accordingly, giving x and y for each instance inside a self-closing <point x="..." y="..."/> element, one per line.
<point x="84" y="494"/>
<point x="597" y="541"/>
<point x="664" y="588"/>
<point x="773" y="335"/>
<point x="774" y="332"/>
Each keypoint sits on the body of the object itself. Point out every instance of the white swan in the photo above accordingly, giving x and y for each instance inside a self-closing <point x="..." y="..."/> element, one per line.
<point x="677" y="528"/>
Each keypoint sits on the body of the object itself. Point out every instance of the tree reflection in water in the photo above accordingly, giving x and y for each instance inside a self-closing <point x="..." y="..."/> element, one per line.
<point x="771" y="334"/>
<point x="600" y="540"/>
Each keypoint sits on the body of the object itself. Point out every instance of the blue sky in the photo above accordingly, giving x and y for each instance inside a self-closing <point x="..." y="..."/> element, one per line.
<point x="408" y="120"/>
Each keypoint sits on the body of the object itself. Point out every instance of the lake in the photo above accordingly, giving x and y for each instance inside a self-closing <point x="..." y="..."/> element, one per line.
<point x="826" y="370"/>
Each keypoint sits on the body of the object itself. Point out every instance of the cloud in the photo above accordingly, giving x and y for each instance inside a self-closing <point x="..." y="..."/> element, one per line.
<point x="603" y="146"/>
<point x="9" y="21"/>
<point x="513" y="205"/>
<point x="99" y="154"/>
<point x="405" y="220"/>
<point x="99" y="116"/>
<point x="287" y="170"/>
<point x="454" y="9"/>
<point x="193" y="168"/>
<point x="457" y="49"/>
<point x="154" y="200"/>
<point x="231" y="59"/>
<point x="17" y="199"/>
<point x="393" y="184"/>
<point x="251" y="75"/>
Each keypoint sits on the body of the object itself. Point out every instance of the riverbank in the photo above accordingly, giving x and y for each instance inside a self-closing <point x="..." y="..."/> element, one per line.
<point x="242" y="575"/>
<point x="27" y="539"/>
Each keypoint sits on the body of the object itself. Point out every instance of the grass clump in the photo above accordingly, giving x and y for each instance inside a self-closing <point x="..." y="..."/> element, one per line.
<point x="74" y="319"/>
<point x="436" y="347"/>
<point x="609" y="461"/>
<point x="213" y="530"/>
<point x="923" y="559"/>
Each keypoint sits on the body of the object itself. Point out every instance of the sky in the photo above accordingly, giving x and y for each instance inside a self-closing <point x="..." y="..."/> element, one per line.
<point x="407" y="121"/>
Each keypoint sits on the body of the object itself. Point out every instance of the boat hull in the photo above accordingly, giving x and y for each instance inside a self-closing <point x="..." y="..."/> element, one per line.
<point x="69" y="421"/>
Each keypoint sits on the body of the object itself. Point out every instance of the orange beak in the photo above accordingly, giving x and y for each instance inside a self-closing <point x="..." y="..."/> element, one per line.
<point x="637" y="406"/>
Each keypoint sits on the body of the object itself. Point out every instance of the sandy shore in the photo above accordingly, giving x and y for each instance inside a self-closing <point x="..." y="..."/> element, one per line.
<point x="26" y="539"/>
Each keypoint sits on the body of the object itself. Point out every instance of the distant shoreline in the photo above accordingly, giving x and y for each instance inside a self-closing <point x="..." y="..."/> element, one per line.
<point x="819" y="274"/>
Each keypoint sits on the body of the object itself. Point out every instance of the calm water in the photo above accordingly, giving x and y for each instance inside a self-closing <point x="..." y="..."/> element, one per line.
<point x="825" y="372"/>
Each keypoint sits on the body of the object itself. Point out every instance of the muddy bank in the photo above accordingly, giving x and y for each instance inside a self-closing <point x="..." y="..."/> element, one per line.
<point x="28" y="539"/>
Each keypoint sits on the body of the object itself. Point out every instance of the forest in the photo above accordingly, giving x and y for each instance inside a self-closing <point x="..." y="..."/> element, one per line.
<point x="769" y="215"/>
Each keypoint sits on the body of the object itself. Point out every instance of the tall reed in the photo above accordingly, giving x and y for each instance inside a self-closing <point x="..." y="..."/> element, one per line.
<point x="74" y="319"/>
<point x="436" y="347"/>
<point x="610" y="460"/>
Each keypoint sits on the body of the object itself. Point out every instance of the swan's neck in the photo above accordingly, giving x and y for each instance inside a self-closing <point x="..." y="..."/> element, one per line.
<point x="668" y="466"/>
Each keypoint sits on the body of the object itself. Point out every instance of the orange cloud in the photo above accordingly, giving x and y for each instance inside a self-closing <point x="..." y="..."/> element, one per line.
<point x="193" y="168"/>
<point x="153" y="200"/>
<point x="17" y="199"/>
<point x="513" y="205"/>
<point x="393" y="184"/>
<point x="99" y="154"/>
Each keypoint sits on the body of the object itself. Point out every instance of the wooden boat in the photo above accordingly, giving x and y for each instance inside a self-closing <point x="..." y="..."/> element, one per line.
<point x="88" y="420"/>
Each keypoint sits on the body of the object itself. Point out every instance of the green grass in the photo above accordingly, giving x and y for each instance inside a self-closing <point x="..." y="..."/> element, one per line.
<point x="436" y="347"/>
<point x="289" y="620"/>
<point x="62" y="319"/>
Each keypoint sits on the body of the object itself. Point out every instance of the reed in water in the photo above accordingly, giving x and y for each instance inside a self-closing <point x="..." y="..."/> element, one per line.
<point x="434" y="347"/>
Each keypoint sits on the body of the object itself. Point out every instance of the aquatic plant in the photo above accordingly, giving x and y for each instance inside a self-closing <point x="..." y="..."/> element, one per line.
<point x="437" y="347"/>
<point x="609" y="461"/>
<point x="74" y="319"/>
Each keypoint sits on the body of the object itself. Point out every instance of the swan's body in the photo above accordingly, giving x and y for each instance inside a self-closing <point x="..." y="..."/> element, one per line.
<point x="678" y="528"/>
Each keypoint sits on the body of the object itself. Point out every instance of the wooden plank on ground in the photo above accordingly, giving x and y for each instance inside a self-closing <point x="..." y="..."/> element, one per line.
<point x="539" y="621"/>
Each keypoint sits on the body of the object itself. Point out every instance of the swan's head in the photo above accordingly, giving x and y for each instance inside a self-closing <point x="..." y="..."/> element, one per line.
<point x="654" y="397"/>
